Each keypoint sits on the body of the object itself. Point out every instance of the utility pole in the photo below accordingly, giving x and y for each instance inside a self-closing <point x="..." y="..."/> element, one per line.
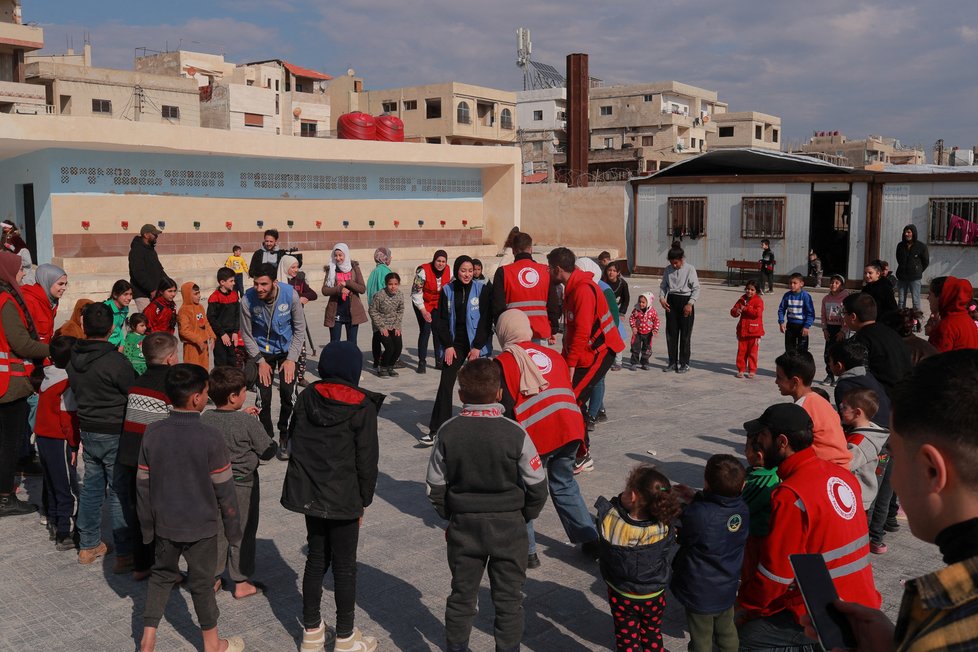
<point x="939" y="145"/>
<point x="138" y="110"/>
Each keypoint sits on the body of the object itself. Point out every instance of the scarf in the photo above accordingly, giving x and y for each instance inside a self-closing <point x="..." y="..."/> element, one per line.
<point x="345" y="267"/>
<point x="382" y="256"/>
<point x="283" y="268"/>
<point x="589" y="266"/>
<point x="512" y="328"/>
<point x="47" y="275"/>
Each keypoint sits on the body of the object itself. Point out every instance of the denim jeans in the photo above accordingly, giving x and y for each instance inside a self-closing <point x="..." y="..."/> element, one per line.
<point x="99" y="452"/>
<point x="596" y="402"/>
<point x="911" y="287"/>
<point x="566" y="496"/>
<point x="336" y="331"/>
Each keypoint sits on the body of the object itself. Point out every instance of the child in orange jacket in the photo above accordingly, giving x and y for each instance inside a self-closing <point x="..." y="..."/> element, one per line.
<point x="195" y="331"/>
<point x="750" y="329"/>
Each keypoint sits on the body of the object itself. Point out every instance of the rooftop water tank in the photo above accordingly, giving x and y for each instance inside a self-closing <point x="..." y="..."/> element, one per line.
<point x="356" y="126"/>
<point x="390" y="128"/>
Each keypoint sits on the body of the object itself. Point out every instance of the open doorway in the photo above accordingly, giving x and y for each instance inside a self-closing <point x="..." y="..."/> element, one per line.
<point x="26" y="219"/>
<point x="829" y="233"/>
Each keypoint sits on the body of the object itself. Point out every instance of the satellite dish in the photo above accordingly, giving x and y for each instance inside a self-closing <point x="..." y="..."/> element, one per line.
<point x="350" y="72"/>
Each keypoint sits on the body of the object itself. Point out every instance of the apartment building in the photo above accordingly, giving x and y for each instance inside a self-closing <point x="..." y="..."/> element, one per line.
<point x="872" y="150"/>
<point x="16" y="42"/>
<point x="745" y="129"/>
<point x="449" y="113"/>
<point x="272" y="96"/>
<point x="542" y="118"/>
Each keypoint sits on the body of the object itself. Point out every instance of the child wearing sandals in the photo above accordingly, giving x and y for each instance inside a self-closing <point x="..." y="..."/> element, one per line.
<point x="635" y="543"/>
<point x="750" y="329"/>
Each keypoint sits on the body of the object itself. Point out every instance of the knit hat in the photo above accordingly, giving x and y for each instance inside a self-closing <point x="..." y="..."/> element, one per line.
<point x="343" y="360"/>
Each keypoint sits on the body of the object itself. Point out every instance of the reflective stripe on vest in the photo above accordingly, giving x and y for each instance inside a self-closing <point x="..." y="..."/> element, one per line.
<point x="563" y="404"/>
<point x="527" y="307"/>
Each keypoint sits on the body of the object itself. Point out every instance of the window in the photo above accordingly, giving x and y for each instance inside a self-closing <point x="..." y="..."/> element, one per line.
<point x="537" y="116"/>
<point x="308" y="129"/>
<point x="609" y="143"/>
<point x="647" y="141"/>
<point x="254" y="120"/>
<point x="171" y="112"/>
<point x="102" y="106"/>
<point x="774" y="135"/>
<point x="506" y="119"/>
<point x="725" y="132"/>
<point x="410" y="105"/>
<point x="953" y="220"/>
<point x="605" y="110"/>
<point x="250" y="82"/>
<point x="537" y="145"/>
<point x="433" y="140"/>
<point x="648" y="98"/>
<point x="462" y="115"/>
<point x="687" y="217"/>
<point x="561" y="115"/>
<point x="762" y="217"/>
<point x="758" y="132"/>
<point x="432" y="108"/>
<point x="277" y="109"/>
<point x="298" y="87"/>
<point x="389" y="107"/>
<point x="276" y="85"/>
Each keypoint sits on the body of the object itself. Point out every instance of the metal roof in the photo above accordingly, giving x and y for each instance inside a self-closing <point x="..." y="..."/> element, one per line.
<point x="733" y="162"/>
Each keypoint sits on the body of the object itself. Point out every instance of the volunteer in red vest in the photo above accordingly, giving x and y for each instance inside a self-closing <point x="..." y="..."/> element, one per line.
<point x="817" y="508"/>
<point x="19" y="346"/>
<point x="428" y="282"/>
<point x="537" y="394"/>
<point x="43" y="296"/>
<point x="525" y="285"/>
<point x="591" y="338"/>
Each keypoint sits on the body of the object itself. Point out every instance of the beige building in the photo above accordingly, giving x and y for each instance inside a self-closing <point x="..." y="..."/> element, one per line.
<point x="745" y="129"/>
<point x="834" y="147"/>
<point x="274" y="96"/>
<point x="16" y="42"/>
<point x="450" y="113"/>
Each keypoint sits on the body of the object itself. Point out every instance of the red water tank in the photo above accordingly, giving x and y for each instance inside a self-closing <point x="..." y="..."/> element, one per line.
<point x="356" y="126"/>
<point x="390" y="128"/>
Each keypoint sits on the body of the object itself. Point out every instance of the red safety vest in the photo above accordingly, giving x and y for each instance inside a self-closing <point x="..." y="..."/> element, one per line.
<point x="526" y="285"/>
<point x="8" y="361"/>
<point x="433" y="285"/>
<point x="552" y="417"/>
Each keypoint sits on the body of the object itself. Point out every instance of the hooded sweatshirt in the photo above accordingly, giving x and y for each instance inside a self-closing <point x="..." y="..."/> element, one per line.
<point x="195" y="330"/>
<point x="145" y="268"/>
<point x="73" y="326"/>
<point x="100" y="378"/>
<point x="911" y="257"/>
<point x="956" y="330"/>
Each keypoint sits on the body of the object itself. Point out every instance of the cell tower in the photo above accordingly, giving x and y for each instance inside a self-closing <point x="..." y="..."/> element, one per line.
<point x="536" y="76"/>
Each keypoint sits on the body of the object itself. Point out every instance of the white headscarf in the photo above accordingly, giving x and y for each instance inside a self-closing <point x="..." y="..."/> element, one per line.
<point x="346" y="266"/>
<point x="587" y="265"/>
<point x="283" y="268"/>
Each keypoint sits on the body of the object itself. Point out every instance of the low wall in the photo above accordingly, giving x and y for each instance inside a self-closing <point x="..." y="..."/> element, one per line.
<point x="592" y="217"/>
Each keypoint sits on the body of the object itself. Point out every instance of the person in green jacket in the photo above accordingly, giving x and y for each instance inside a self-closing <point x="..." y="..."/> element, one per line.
<point x="119" y="302"/>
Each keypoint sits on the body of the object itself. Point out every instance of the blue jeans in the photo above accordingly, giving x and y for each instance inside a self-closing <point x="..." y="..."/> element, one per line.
<point x="566" y="496"/>
<point x="596" y="401"/>
<point x="99" y="452"/>
<point x="336" y="331"/>
<point x="911" y="287"/>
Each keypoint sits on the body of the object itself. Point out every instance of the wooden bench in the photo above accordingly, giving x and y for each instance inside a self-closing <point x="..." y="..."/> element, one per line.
<point x="743" y="266"/>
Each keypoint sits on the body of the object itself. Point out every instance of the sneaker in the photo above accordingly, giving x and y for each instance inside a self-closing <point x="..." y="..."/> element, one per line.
<point x="669" y="367"/>
<point x="891" y="525"/>
<point x="64" y="544"/>
<point x="89" y="555"/>
<point x="356" y="642"/>
<point x="682" y="369"/>
<point x="11" y="506"/>
<point x="532" y="561"/>
<point x="427" y="440"/>
<point x="602" y="416"/>
<point x="400" y="365"/>
<point x="616" y="367"/>
<point x="583" y="464"/>
<point x="589" y="422"/>
<point x="422" y="367"/>
<point x="123" y="565"/>
<point x="382" y="372"/>
<point x="645" y="367"/>
<point x="315" y="640"/>
<point x="374" y="364"/>
<point x="391" y="372"/>
<point x="283" y="450"/>
<point x="877" y="548"/>
<point x="590" y="549"/>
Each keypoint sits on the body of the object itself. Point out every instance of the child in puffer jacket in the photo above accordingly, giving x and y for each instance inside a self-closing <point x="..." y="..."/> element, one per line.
<point x="644" y="321"/>
<point x="750" y="329"/>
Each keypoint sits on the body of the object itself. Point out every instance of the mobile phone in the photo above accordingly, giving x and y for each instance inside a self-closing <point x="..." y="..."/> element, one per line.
<point x="818" y="592"/>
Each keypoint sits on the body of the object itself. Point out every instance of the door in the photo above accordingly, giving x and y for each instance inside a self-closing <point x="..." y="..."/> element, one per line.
<point x="28" y="219"/>
<point x="829" y="231"/>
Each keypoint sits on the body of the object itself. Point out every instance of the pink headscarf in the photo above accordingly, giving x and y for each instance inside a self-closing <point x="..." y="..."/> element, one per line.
<point x="10" y="265"/>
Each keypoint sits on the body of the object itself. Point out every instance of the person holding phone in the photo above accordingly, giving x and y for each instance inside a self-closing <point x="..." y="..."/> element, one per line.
<point x="817" y="508"/>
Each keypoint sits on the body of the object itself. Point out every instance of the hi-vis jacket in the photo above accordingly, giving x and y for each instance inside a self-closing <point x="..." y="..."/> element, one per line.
<point x="590" y="327"/>
<point x="817" y="508"/>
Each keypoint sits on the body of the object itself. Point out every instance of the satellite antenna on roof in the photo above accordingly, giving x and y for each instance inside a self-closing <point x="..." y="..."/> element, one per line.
<point x="536" y="76"/>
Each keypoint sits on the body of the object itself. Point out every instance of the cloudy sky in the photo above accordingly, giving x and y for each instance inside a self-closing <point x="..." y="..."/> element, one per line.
<point x="897" y="68"/>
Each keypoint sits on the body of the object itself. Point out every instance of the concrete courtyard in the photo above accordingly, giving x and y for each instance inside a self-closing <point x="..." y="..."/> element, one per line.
<point x="52" y="602"/>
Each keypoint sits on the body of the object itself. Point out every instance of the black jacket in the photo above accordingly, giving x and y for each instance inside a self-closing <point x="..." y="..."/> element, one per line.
<point x="332" y="470"/>
<point x="639" y="570"/>
<point x="145" y="268"/>
<point x="889" y="359"/>
<point x="712" y="535"/>
<point x="882" y="293"/>
<point x="100" y="377"/>
<point x="912" y="257"/>
<point x="256" y="259"/>
<point x="441" y="317"/>
<point x="223" y="312"/>
<point x="859" y="378"/>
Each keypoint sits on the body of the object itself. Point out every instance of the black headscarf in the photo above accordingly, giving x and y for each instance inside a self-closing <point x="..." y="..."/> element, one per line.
<point x="441" y="253"/>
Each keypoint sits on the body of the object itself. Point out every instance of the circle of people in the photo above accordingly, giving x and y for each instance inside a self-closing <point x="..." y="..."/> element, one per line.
<point x="184" y="484"/>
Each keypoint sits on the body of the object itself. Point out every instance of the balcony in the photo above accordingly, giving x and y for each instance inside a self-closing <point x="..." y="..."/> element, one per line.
<point x="26" y="37"/>
<point x="13" y="92"/>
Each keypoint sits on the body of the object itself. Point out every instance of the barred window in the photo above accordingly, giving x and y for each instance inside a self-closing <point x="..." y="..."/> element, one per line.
<point x="687" y="217"/>
<point x="953" y="220"/>
<point x="762" y="217"/>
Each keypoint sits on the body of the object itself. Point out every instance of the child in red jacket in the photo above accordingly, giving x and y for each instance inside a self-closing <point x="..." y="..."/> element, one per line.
<point x="750" y="329"/>
<point x="162" y="310"/>
<point x="58" y="436"/>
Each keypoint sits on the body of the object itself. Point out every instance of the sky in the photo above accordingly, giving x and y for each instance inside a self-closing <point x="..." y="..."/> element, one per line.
<point x="898" y="68"/>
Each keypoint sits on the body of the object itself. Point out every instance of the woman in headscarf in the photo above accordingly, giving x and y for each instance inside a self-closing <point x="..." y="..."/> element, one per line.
<point x="20" y="344"/>
<point x="344" y="285"/>
<point x="462" y="324"/>
<point x="288" y="272"/>
<point x="429" y="279"/>
<point x="42" y="298"/>
<point x="537" y="394"/>
<point x="376" y="282"/>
